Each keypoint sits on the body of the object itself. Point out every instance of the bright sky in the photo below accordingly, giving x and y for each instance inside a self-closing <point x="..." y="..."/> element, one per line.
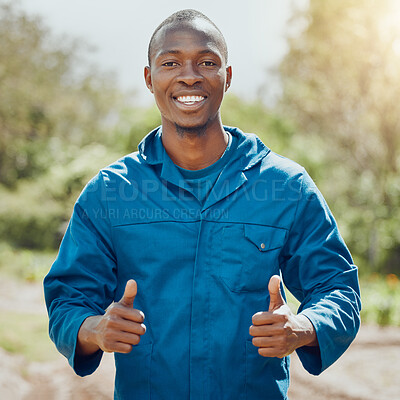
<point x="120" y="31"/>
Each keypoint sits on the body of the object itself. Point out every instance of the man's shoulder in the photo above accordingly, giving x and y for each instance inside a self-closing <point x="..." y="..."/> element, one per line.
<point x="131" y="160"/>
<point x="119" y="174"/>
<point x="255" y="150"/>
<point x="128" y="168"/>
<point x="279" y="164"/>
<point x="138" y="164"/>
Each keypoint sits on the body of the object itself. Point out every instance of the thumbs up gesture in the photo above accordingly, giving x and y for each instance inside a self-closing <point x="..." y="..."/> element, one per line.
<point x="278" y="332"/>
<point x="117" y="330"/>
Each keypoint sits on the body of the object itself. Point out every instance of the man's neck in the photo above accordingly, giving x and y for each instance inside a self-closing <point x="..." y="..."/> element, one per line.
<point x="194" y="151"/>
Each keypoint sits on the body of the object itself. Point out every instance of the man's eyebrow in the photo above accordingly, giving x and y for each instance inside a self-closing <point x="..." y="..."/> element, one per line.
<point x="163" y="53"/>
<point x="166" y="52"/>
<point x="208" y="51"/>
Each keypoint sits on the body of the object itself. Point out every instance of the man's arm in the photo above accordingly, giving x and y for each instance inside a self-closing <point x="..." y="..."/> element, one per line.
<point x="318" y="270"/>
<point x="83" y="279"/>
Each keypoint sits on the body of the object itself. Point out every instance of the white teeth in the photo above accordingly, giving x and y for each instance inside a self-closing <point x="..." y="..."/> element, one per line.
<point x="190" y="99"/>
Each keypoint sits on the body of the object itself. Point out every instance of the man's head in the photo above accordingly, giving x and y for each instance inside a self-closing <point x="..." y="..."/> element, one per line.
<point x="188" y="72"/>
<point x="186" y="16"/>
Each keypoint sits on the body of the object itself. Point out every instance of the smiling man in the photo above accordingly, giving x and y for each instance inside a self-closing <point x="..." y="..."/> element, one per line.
<point x="196" y="231"/>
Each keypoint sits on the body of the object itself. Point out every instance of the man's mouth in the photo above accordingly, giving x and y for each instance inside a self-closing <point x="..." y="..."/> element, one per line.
<point x="189" y="100"/>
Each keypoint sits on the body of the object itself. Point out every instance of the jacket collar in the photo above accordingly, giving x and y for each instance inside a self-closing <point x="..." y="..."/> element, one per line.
<point x="151" y="148"/>
<point x="250" y="149"/>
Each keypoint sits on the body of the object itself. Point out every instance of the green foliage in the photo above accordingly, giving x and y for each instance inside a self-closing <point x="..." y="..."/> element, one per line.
<point x="26" y="334"/>
<point x="381" y="300"/>
<point x="133" y="125"/>
<point x="341" y="87"/>
<point x="57" y="117"/>
<point x="34" y="215"/>
<point x="24" y="264"/>
<point x="43" y="96"/>
<point x="254" y="117"/>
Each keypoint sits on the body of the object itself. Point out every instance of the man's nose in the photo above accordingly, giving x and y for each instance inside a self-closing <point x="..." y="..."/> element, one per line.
<point x="190" y="74"/>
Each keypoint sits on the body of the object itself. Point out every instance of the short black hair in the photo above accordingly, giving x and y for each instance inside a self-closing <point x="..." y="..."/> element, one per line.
<point x="181" y="16"/>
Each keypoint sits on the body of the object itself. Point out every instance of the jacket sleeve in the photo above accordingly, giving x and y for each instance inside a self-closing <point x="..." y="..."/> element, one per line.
<point x="318" y="270"/>
<point x="82" y="280"/>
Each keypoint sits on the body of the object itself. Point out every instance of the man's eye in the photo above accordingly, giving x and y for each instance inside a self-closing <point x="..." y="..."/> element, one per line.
<point x="208" y="63"/>
<point x="170" y="64"/>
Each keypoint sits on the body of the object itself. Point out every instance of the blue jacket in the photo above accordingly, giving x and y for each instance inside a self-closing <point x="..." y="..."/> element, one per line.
<point x="202" y="272"/>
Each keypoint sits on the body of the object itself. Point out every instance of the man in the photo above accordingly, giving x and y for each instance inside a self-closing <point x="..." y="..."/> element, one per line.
<point x="195" y="230"/>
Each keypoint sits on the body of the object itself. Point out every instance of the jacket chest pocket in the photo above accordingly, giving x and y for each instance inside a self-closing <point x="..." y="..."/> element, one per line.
<point x="249" y="256"/>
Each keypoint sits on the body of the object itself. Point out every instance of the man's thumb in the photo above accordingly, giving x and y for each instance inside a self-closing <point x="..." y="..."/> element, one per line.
<point x="130" y="293"/>
<point x="275" y="297"/>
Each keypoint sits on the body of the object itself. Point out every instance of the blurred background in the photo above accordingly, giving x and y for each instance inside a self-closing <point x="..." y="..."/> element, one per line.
<point x="318" y="81"/>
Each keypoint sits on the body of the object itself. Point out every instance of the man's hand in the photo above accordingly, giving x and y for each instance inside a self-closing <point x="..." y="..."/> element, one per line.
<point x="278" y="332"/>
<point x="117" y="330"/>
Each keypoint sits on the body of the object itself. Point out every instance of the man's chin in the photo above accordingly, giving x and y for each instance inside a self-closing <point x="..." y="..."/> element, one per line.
<point x="192" y="130"/>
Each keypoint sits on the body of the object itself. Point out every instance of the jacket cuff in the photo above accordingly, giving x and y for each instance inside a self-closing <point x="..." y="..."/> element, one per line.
<point x="310" y="356"/>
<point x="83" y="365"/>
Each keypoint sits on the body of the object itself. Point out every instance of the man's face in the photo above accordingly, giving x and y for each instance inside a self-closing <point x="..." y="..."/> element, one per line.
<point x="188" y="74"/>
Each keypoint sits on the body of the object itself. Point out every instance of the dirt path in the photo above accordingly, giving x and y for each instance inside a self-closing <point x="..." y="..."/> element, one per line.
<point x="368" y="370"/>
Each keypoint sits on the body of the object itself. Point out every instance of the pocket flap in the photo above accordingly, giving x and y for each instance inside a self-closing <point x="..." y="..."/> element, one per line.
<point x="265" y="237"/>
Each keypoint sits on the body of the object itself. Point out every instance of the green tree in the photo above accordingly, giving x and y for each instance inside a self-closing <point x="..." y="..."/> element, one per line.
<point x="57" y="117"/>
<point x="341" y="86"/>
<point x="47" y="104"/>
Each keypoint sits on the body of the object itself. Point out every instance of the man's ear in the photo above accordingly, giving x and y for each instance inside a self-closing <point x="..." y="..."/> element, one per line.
<point x="228" y="77"/>
<point x="147" y="78"/>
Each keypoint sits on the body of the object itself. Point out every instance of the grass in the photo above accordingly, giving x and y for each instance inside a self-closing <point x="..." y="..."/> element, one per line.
<point x="26" y="334"/>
